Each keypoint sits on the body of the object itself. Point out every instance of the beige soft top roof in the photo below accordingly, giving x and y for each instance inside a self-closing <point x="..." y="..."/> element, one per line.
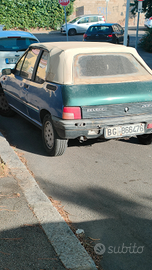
<point x="60" y="63"/>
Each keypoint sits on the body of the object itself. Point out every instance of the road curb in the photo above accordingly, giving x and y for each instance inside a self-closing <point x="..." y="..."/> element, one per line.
<point x="67" y="246"/>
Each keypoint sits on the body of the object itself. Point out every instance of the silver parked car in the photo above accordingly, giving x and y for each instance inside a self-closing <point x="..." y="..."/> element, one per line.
<point x="81" y="24"/>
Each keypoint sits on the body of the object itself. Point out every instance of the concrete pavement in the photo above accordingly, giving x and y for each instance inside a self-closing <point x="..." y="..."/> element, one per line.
<point x="33" y="235"/>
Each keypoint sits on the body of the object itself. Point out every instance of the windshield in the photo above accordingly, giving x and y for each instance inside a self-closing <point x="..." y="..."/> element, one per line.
<point x="15" y="43"/>
<point x="73" y="21"/>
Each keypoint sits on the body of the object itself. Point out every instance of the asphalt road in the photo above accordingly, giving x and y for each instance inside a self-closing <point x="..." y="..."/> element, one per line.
<point x="105" y="186"/>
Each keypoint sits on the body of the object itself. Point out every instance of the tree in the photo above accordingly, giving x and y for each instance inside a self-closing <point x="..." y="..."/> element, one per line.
<point x="147" y="7"/>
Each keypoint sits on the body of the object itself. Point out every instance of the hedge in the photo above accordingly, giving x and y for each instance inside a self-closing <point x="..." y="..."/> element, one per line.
<point x="26" y="14"/>
<point x="146" y="41"/>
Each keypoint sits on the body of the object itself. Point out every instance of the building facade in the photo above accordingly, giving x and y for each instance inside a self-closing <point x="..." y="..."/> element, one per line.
<point x="112" y="10"/>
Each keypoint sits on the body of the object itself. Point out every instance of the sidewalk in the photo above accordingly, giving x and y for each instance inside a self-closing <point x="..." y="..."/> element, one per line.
<point x="23" y="243"/>
<point x="33" y="235"/>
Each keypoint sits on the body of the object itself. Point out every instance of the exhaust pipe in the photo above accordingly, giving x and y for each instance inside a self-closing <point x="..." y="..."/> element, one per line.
<point x="82" y="139"/>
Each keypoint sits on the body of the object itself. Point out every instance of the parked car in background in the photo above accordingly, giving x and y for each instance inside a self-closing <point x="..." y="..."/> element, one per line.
<point x="80" y="24"/>
<point x="148" y="23"/>
<point x="80" y="90"/>
<point x="12" y="45"/>
<point x="108" y="32"/>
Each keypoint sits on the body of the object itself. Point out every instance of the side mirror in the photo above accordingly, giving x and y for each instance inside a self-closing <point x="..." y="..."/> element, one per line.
<point x="6" y="71"/>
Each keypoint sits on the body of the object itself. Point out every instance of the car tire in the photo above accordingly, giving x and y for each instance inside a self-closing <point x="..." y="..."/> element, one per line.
<point x="5" y="109"/>
<point x="53" y="144"/>
<point x="72" y="32"/>
<point x="116" y="41"/>
<point x="145" y="138"/>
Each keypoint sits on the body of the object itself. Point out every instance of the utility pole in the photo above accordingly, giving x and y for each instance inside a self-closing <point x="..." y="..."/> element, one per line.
<point x="106" y="9"/>
<point x="126" y="23"/>
<point x="139" y="11"/>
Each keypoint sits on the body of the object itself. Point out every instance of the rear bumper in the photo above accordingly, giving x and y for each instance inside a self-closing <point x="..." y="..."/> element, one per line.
<point x="94" y="128"/>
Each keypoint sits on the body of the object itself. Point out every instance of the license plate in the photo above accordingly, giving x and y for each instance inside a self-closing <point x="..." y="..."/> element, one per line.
<point x="125" y="130"/>
<point x="11" y="60"/>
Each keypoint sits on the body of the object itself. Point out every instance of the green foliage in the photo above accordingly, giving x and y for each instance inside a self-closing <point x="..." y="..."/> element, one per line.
<point x="147" y="7"/>
<point x="146" y="41"/>
<point x="26" y="14"/>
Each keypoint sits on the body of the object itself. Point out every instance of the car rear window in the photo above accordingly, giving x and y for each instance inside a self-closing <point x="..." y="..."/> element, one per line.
<point x="99" y="29"/>
<point x="15" y="43"/>
<point x="109" y="65"/>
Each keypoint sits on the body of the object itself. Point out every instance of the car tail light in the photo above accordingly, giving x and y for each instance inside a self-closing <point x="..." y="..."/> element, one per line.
<point x="103" y="18"/>
<point x="71" y="113"/>
<point x="85" y="36"/>
<point x="110" y="35"/>
<point x="149" y="125"/>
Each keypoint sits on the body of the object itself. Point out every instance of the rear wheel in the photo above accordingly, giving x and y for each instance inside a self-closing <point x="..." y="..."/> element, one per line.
<point x="116" y="41"/>
<point x="5" y="109"/>
<point x="145" y="138"/>
<point x="53" y="144"/>
<point x="72" y="32"/>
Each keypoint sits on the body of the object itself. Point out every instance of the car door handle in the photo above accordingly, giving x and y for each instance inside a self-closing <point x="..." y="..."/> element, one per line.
<point x="26" y="86"/>
<point x="51" y="87"/>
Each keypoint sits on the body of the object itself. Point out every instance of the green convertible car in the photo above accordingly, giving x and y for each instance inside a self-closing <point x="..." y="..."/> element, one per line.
<point x="80" y="90"/>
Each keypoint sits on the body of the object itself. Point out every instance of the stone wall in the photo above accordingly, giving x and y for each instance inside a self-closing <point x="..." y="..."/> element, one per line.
<point x="116" y="10"/>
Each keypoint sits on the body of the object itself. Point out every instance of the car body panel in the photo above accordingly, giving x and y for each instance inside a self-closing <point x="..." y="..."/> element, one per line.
<point x="27" y="101"/>
<point x="106" y="94"/>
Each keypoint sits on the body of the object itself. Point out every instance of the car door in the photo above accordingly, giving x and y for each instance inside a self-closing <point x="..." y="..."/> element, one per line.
<point x="37" y="97"/>
<point x="18" y="83"/>
<point x="82" y="25"/>
<point x="117" y="33"/>
<point x="121" y="36"/>
<point x="43" y="95"/>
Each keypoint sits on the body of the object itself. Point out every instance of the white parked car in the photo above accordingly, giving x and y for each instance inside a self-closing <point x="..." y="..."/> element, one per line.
<point x="81" y="24"/>
<point x="148" y="23"/>
<point x="12" y="45"/>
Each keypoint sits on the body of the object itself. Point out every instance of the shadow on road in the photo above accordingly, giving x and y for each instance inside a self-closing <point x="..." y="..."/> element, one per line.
<point x="23" y="135"/>
<point x="124" y="228"/>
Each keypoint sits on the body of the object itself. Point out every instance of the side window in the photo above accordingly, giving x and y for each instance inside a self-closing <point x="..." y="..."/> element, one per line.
<point x="100" y="18"/>
<point x="41" y="70"/>
<point x="19" y="65"/>
<point x="94" y="19"/>
<point x="84" y="20"/>
<point x="115" y="28"/>
<point x="29" y="62"/>
<point x="120" y="28"/>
